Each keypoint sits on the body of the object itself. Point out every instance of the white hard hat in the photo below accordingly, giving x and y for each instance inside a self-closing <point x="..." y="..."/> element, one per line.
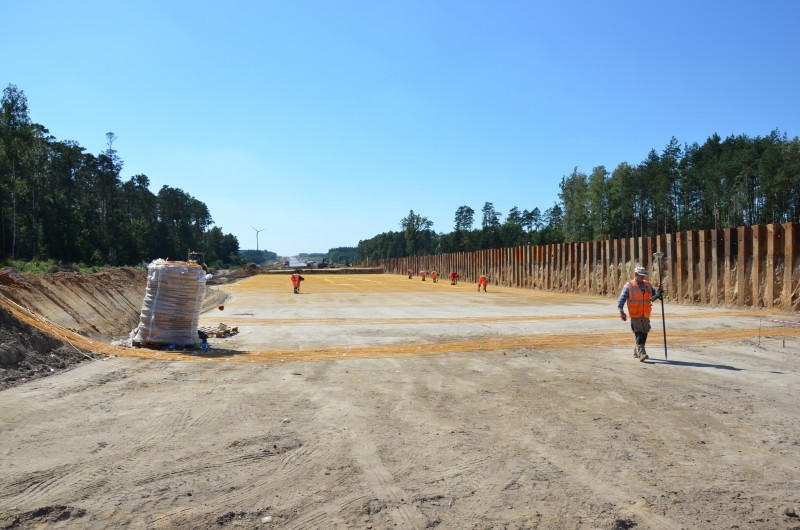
<point x="641" y="271"/>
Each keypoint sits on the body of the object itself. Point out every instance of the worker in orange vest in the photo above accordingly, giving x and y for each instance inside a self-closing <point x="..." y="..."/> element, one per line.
<point x="453" y="278"/>
<point x="639" y="294"/>
<point x="483" y="281"/>
<point x="423" y="273"/>
<point x="434" y="276"/>
<point x="410" y="273"/>
<point x="296" y="279"/>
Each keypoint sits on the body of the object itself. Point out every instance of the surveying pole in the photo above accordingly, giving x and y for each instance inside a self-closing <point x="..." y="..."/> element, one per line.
<point x="658" y="256"/>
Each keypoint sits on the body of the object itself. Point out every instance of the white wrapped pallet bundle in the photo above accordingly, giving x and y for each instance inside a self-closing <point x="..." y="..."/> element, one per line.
<point x="172" y="303"/>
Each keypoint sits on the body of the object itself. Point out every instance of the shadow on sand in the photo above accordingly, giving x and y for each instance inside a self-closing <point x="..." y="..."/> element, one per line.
<point x="695" y="365"/>
<point x="214" y="352"/>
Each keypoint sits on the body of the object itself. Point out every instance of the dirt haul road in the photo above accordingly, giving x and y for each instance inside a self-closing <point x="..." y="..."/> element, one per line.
<point x="375" y="401"/>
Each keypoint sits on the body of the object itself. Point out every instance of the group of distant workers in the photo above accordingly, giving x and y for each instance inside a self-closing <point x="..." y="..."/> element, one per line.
<point x="483" y="281"/>
<point x="638" y="293"/>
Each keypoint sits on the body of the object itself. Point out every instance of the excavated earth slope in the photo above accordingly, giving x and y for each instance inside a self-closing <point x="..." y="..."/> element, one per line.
<point x="35" y="308"/>
<point x="52" y="321"/>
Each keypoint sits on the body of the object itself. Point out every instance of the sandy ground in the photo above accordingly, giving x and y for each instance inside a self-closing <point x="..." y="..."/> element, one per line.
<point x="375" y="401"/>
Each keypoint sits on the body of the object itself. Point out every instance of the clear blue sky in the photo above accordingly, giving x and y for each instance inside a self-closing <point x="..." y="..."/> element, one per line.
<point x="325" y="122"/>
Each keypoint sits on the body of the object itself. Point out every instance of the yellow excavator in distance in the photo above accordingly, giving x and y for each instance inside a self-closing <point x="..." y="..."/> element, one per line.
<point x="198" y="258"/>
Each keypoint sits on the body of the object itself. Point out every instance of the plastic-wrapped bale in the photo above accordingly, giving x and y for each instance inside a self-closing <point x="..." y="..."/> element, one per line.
<point x="172" y="303"/>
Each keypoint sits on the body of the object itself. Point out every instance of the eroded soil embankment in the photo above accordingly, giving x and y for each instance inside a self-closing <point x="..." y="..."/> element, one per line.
<point x="36" y="309"/>
<point x="105" y="304"/>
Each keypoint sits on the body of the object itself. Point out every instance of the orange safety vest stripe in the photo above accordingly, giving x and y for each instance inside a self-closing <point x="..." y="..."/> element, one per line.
<point x="639" y="304"/>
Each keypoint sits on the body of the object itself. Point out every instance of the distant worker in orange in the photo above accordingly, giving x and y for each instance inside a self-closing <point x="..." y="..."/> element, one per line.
<point x="483" y="281"/>
<point x="410" y="273"/>
<point x="423" y="273"/>
<point x="434" y="276"/>
<point x="296" y="279"/>
<point x="453" y="278"/>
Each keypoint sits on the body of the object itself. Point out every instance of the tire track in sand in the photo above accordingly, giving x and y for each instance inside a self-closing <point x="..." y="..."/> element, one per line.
<point x="382" y="484"/>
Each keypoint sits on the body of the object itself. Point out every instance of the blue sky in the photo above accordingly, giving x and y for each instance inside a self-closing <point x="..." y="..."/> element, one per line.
<point x="324" y="123"/>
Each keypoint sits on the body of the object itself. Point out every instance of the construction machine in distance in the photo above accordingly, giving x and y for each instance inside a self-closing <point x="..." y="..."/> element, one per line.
<point x="198" y="258"/>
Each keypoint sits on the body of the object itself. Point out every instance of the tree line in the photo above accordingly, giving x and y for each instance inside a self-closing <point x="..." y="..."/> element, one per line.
<point x="719" y="184"/>
<point x="58" y="202"/>
<point x="342" y="255"/>
<point x="257" y="256"/>
<point x="417" y="237"/>
<point x="738" y="181"/>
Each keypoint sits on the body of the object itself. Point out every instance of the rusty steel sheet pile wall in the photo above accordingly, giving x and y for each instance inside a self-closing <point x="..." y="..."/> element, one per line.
<point x="753" y="266"/>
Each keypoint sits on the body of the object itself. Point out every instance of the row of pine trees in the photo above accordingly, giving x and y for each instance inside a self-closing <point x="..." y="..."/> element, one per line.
<point x="739" y="181"/>
<point x="60" y="203"/>
<point x="726" y="183"/>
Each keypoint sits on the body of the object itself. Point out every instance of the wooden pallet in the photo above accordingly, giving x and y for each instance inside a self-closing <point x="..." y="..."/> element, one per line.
<point x="161" y="345"/>
<point x="220" y="331"/>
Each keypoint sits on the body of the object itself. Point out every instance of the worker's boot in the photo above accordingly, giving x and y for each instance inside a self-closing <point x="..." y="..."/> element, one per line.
<point x="643" y="355"/>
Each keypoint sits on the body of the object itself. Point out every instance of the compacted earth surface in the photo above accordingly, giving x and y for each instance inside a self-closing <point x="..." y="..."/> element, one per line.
<point x="375" y="401"/>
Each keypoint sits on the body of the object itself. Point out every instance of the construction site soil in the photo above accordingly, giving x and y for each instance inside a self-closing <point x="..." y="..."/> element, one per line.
<point x="377" y="401"/>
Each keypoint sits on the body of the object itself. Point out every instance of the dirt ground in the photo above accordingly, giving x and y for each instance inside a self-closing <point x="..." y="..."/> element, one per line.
<point x="375" y="401"/>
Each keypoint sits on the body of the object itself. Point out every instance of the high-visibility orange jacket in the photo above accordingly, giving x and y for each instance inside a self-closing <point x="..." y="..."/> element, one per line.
<point x="483" y="280"/>
<point x="639" y="304"/>
<point x="296" y="279"/>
